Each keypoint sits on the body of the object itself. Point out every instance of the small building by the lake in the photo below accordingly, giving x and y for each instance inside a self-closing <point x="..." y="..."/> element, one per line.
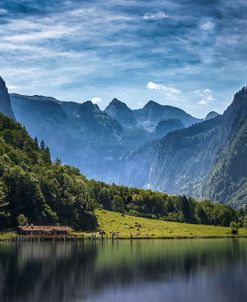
<point x="47" y="231"/>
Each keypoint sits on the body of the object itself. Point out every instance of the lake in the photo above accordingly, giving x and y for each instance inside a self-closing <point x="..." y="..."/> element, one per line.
<point x="141" y="270"/>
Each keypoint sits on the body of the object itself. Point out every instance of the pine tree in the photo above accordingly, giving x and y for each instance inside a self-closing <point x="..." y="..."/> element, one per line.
<point x="36" y="142"/>
<point x="42" y="145"/>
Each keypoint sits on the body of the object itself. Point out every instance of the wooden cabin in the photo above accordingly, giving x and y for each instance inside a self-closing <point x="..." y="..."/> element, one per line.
<point x="44" y="231"/>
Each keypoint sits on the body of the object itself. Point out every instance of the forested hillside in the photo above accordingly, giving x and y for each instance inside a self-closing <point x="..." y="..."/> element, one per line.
<point x="30" y="184"/>
<point x="50" y="193"/>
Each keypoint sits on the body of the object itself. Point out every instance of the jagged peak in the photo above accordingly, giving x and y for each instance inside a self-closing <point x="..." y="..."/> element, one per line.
<point x="117" y="103"/>
<point x="5" y="104"/>
<point x="3" y="83"/>
<point x="151" y="104"/>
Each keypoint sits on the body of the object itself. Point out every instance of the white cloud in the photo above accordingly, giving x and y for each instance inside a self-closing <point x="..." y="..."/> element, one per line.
<point x="44" y="34"/>
<point x="207" y="26"/>
<point x="155" y="16"/>
<point x="171" y="93"/>
<point x="205" y="95"/>
<point x="3" y="11"/>
<point x="96" y="100"/>
<point x="167" y="89"/>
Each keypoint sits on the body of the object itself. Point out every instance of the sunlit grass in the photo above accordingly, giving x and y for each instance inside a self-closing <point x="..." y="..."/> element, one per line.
<point x="7" y="236"/>
<point x="139" y="227"/>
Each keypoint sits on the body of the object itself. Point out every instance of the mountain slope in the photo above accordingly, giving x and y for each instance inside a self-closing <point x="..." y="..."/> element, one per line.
<point x="80" y="134"/>
<point x="122" y="113"/>
<point x="227" y="180"/>
<point x="181" y="161"/>
<point x="5" y="104"/>
<point x="166" y="126"/>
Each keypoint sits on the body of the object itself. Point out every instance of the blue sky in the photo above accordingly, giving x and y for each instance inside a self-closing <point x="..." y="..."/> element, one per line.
<point x="187" y="53"/>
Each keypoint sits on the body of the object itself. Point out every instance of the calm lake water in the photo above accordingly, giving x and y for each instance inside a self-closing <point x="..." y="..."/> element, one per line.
<point x="151" y="270"/>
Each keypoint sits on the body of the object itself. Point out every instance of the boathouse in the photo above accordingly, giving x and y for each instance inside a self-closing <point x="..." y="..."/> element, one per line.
<point x="44" y="231"/>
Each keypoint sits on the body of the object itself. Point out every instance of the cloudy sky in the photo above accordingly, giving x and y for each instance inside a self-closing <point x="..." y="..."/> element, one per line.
<point x="186" y="53"/>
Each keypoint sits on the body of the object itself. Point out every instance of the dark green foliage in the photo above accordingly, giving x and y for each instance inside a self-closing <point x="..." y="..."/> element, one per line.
<point x="234" y="227"/>
<point x="118" y="204"/>
<point x="104" y="198"/>
<point x="156" y="205"/>
<point x="32" y="186"/>
<point x="22" y="220"/>
<point x="187" y="209"/>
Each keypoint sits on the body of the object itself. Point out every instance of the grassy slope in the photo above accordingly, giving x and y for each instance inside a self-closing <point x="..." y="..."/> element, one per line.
<point x="149" y="228"/>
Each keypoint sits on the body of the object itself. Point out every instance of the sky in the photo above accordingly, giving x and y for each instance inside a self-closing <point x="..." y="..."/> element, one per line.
<point x="185" y="53"/>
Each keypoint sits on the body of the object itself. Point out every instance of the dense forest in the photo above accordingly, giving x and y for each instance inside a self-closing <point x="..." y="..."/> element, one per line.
<point x="46" y="192"/>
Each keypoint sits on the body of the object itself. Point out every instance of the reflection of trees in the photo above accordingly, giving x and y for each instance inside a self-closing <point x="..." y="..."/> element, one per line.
<point x="27" y="276"/>
<point x="65" y="271"/>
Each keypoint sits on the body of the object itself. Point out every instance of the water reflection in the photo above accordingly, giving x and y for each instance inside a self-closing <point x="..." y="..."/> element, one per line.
<point x="151" y="270"/>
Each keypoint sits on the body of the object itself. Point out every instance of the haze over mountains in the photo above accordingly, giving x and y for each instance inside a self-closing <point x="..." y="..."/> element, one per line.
<point x="92" y="139"/>
<point x="158" y="147"/>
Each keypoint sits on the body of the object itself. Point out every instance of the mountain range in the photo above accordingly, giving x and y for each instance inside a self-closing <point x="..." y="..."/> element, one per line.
<point x="82" y="135"/>
<point x="158" y="147"/>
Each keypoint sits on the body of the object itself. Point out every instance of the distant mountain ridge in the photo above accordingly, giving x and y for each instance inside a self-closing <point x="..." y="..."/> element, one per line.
<point x="83" y="135"/>
<point x="149" y="116"/>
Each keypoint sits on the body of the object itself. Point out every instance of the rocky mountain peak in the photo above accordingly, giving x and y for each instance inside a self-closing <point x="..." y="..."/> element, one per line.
<point x="116" y="105"/>
<point x="151" y="104"/>
<point x="5" y="104"/>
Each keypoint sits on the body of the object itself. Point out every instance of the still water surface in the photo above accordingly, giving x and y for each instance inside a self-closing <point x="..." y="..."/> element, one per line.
<point x="151" y="270"/>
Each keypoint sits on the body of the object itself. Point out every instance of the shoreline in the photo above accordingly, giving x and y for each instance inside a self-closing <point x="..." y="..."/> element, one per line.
<point x="6" y="237"/>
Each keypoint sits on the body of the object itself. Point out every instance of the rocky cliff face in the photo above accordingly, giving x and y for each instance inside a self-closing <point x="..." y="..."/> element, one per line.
<point x="227" y="178"/>
<point x="5" y="104"/>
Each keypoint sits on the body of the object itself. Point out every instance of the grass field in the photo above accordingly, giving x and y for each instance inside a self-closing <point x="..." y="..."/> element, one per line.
<point x="149" y="228"/>
<point x="141" y="228"/>
<point x="7" y="235"/>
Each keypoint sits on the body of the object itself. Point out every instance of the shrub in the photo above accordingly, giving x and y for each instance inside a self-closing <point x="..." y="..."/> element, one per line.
<point x="234" y="227"/>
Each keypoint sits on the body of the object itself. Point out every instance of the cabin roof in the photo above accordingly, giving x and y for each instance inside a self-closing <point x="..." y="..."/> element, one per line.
<point x="47" y="228"/>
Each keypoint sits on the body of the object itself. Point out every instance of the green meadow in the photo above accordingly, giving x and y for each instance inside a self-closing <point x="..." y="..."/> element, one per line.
<point x="139" y="228"/>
